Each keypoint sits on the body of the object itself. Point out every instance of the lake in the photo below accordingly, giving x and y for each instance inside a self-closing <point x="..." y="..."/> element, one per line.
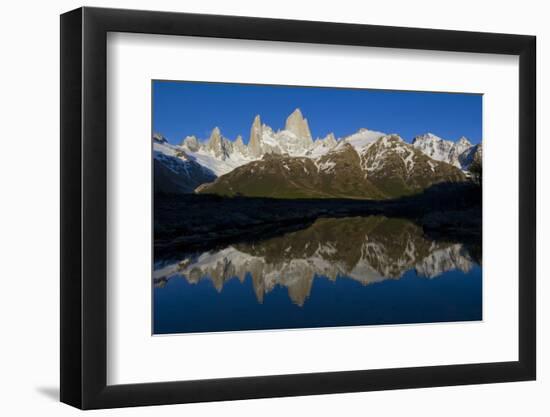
<point x="337" y="272"/>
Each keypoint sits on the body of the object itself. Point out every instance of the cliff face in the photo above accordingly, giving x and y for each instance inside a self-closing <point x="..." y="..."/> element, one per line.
<point x="297" y="124"/>
<point x="254" y="143"/>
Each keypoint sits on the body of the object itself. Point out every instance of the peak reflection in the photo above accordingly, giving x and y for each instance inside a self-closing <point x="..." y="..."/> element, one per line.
<point x="365" y="249"/>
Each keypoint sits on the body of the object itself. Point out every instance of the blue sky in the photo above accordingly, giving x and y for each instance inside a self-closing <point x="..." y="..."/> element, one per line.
<point x="193" y="108"/>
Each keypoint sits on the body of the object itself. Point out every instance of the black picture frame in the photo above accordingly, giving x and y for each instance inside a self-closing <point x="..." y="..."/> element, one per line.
<point x="84" y="207"/>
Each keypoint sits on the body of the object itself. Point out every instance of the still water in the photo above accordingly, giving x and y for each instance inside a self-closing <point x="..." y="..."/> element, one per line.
<point x="337" y="272"/>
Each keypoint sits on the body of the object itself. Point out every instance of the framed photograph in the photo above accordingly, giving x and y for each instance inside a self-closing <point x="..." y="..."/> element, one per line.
<point x="257" y="208"/>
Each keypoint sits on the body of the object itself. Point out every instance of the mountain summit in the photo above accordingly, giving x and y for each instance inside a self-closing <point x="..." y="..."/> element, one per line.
<point x="218" y="145"/>
<point x="443" y="150"/>
<point x="255" y="141"/>
<point x="297" y="124"/>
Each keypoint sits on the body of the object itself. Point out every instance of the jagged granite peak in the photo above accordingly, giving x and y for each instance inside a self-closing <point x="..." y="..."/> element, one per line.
<point x="215" y="137"/>
<point x="329" y="139"/>
<point x="239" y="145"/>
<point x="191" y="142"/>
<point x="219" y="146"/>
<point x="297" y="124"/>
<point x="255" y="141"/>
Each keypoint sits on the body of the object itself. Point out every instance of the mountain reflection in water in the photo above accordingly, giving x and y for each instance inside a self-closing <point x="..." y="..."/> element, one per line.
<point x="364" y="249"/>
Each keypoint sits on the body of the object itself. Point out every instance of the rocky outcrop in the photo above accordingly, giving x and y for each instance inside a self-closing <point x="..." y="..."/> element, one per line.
<point x="191" y="143"/>
<point x="444" y="150"/>
<point x="218" y="145"/>
<point x="239" y="146"/>
<point x="255" y="141"/>
<point x="297" y="124"/>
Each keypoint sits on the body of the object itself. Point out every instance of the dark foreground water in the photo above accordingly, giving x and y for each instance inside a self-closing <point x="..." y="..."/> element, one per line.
<point x="337" y="272"/>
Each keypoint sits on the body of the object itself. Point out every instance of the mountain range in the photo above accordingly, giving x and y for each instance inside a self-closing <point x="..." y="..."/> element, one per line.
<point x="289" y="163"/>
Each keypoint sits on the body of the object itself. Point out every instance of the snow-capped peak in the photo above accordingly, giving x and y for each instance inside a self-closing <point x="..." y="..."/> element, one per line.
<point x="463" y="141"/>
<point x="362" y="138"/>
<point x="321" y="146"/>
<point x="441" y="149"/>
<point x="428" y="137"/>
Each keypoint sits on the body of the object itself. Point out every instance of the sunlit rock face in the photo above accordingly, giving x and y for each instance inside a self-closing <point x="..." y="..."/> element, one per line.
<point x="297" y="124"/>
<point x="365" y="249"/>
<point x="255" y="141"/>
<point x="219" y="146"/>
<point x="239" y="146"/>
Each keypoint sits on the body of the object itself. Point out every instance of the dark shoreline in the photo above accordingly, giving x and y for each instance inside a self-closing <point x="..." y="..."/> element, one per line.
<point x="185" y="223"/>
